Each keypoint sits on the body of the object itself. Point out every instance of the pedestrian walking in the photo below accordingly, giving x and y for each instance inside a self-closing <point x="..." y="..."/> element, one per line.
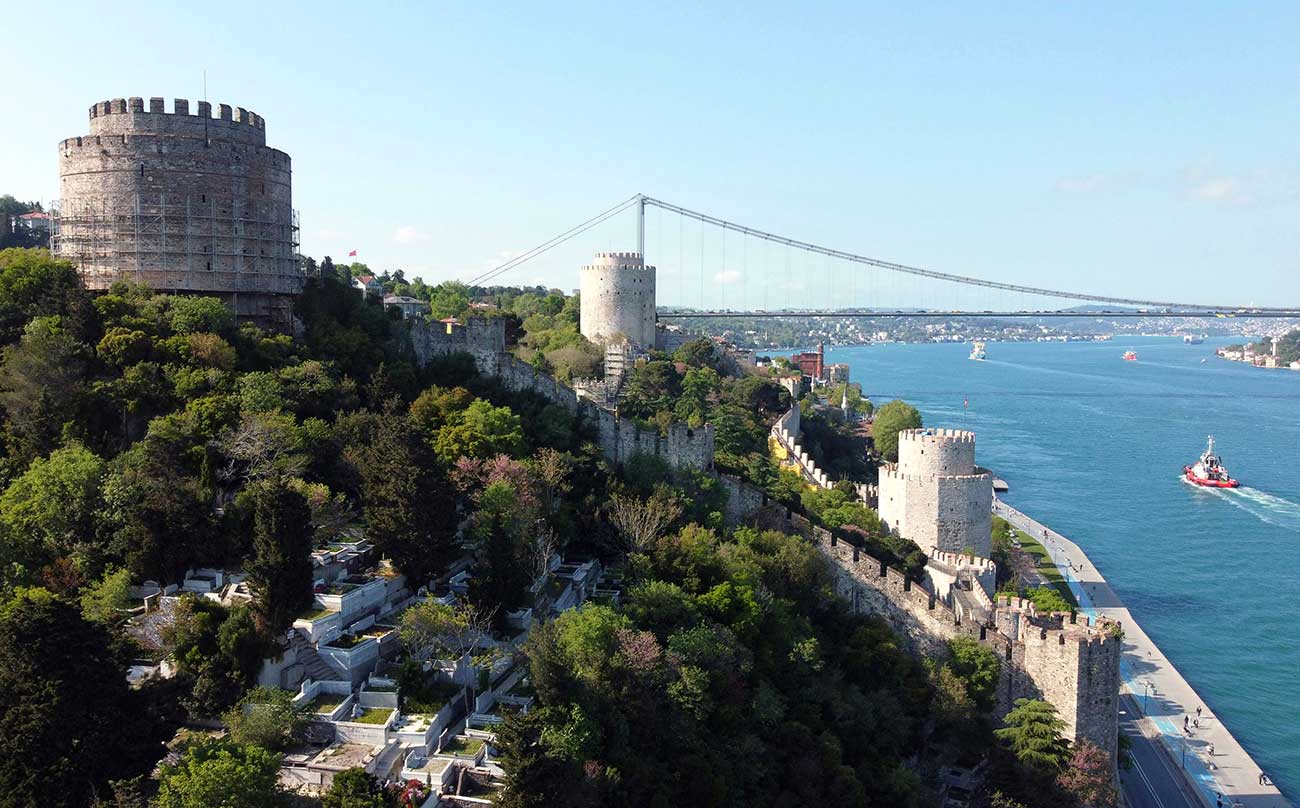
<point x="1211" y="750"/>
<point x="1261" y="778"/>
<point x="1198" y="711"/>
<point x="1196" y="722"/>
<point x="1185" y="722"/>
<point x="1218" y="800"/>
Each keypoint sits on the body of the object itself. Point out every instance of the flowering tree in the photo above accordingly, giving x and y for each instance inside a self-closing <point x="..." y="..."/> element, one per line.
<point x="1088" y="777"/>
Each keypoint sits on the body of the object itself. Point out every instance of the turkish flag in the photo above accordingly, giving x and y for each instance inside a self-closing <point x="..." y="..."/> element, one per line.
<point x="352" y="254"/>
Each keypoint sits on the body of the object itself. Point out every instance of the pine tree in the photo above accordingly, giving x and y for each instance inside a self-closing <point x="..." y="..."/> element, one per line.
<point x="280" y="570"/>
<point x="1033" y="732"/>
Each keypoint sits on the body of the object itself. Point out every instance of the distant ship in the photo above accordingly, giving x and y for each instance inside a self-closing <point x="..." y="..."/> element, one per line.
<point x="1131" y="356"/>
<point x="977" y="352"/>
<point x="1189" y="339"/>
<point x="1209" y="471"/>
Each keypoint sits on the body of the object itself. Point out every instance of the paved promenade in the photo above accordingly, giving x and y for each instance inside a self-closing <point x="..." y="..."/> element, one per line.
<point x="1158" y="690"/>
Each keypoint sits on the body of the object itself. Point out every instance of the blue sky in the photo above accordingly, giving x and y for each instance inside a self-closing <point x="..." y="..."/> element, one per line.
<point x="1148" y="151"/>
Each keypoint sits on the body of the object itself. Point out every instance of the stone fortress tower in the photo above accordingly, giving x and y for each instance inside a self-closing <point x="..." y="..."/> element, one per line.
<point x="936" y="496"/>
<point x="618" y="297"/>
<point x="183" y="203"/>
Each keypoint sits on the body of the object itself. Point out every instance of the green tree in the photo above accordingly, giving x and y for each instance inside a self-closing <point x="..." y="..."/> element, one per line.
<point x="651" y="387"/>
<point x="503" y="566"/>
<point x="41" y="385"/>
<point x="189" y="314"/>
<point x="449" y="299"/>
<point x="105" y="600"/>
<point x="978" y="666"/>
<point x="698" y="353"/>
<point x="357" y="788"/>
<point x="1046" y="599"/>
<point x="537" y="775"/>
<point x="891" y="419"/>
<point x="50" y="511"/>
<point x="220" y="774"/>
<point x="154" y="510"/>
<point x="266" y="717"/>
<point x="69" y="723"/>
<point x="280" y="570"/>
<point x="408" y="506"/>
<point x="480" y="431"/>
<point x="218" y="653"/>
<point x="33" y="284"/>
<point x="430" y="630"/>
<point x="1033" y="733"/>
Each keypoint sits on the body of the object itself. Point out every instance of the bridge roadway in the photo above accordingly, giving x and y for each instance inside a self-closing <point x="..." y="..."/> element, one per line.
<point x="1173" y="768"/>
<point x="746" y="315"/>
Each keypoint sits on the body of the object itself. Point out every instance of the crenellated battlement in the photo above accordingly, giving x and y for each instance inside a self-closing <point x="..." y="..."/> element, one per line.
<point x="891" y="471"/>
<point x="963" y="560"/>
<point x="1064" y="657"/>
<point x="618" y="298"/>
<point x="145" y="173"/>
<point x="937" y="436"/>
<point x="180" y="106"/>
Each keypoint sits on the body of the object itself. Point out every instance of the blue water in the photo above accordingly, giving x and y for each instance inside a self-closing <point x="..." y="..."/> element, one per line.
<point x="1093" y="446"/>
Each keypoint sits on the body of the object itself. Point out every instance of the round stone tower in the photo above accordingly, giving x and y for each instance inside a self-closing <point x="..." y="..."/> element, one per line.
<point x="935" y="495"/>
<point x="618" y="297"/>
<point x="180" y="202"/>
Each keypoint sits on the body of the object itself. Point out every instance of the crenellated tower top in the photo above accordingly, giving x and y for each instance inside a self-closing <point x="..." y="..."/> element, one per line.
<point x="121" y="116"/>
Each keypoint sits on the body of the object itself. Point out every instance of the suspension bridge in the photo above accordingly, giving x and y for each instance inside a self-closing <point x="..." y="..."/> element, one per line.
<point x="855" y="286"/>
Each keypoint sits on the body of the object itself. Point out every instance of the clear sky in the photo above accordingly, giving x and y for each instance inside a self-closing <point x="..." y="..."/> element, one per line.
<point x="1144" y="149"/>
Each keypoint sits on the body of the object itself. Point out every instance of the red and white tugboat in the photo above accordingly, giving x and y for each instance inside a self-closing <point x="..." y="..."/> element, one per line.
<point x="1209" y="471"/>
<point x="1130" y="356"/>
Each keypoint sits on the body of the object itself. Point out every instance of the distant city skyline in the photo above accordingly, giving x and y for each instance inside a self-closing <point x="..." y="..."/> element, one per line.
<point x="1145" y="151"/>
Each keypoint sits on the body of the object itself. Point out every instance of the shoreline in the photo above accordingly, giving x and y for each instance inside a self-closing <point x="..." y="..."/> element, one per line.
<point x="1149" y="677"/>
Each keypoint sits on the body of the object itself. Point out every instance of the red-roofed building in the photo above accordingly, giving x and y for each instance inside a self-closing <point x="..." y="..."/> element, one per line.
<point x="34" y="221"/>
<point x="368" y="284"/>
<point x="811" y="363"/>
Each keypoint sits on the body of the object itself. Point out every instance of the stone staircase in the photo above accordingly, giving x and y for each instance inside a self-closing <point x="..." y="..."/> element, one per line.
<point x="313" y="665"/>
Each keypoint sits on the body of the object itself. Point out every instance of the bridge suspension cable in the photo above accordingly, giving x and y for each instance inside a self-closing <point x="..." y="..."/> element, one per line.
<point x="945" y="276"/>
<point x="554" y="242"/>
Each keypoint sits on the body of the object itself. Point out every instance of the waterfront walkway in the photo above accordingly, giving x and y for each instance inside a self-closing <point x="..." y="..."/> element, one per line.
<point x="1158" y="690"/>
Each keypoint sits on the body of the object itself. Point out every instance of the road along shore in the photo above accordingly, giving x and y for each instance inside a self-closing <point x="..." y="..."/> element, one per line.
<point x="1160" y="692"/>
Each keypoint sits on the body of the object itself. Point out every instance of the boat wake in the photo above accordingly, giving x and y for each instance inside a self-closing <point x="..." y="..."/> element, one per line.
<point x="1263" y="506"/>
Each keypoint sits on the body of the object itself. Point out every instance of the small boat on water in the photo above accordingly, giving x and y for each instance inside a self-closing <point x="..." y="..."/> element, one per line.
<point x="977" y="352"/>
<point x="1209" y="471"/>
<point x="1191" y="339"/>
<point x="1130" y="356"/>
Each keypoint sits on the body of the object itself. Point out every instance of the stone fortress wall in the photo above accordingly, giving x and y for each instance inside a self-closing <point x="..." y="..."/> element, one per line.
<point x="1062" y="658"/>
<point x="619" y="438"/>
<point x="182" y="202"/>
<point x="618" y="297"/>
<point x="935" y="495"/>
<point x="783" y="441"/>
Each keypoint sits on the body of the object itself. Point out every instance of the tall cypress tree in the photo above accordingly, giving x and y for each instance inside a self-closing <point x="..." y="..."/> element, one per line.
<point x="280" y="570"/>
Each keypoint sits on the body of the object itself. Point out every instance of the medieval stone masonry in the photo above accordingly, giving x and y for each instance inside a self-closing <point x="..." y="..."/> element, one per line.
<point x="619" y="438"/>
<point x="618" y="298"/>
<point x="935" y="495"/>
<point x="183" y="202"/>
<point x="1062" y="658"/>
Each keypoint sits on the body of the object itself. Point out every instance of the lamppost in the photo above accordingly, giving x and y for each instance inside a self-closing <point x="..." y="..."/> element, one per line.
<point x="1184" y="749"/>
<point x="1146" y="688"/>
